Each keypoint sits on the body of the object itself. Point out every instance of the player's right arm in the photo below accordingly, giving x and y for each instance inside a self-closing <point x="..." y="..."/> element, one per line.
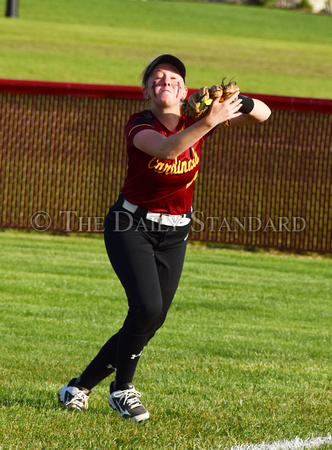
<point x="169" y="147"/>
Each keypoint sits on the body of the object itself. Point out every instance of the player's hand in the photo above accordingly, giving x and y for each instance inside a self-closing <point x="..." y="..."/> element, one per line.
<point x="227" y="110"/>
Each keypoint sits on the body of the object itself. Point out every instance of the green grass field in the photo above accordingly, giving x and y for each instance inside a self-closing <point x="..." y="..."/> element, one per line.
<point x="267" y="50"/>
<point x="244" y="356"/>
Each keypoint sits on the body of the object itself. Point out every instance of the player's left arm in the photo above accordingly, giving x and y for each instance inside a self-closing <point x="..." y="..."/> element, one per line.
<point x="260" y="112"/>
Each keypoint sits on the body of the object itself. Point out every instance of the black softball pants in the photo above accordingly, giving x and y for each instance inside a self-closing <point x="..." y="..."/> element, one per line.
<point x="148" y="260"/>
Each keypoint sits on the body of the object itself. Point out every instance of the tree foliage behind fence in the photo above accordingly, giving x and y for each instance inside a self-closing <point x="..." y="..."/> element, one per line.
<point x="63" y="161"/>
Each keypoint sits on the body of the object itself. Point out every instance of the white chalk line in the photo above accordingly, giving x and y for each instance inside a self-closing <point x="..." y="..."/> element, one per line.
<point x="297" y="443"/>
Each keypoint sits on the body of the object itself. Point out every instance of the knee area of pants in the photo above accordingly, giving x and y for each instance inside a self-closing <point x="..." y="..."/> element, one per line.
<point x="151" y="314"/>
<point x="148" y="316"/>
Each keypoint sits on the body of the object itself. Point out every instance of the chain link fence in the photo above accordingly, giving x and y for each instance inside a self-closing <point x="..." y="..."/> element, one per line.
<point x="63" y="161"/>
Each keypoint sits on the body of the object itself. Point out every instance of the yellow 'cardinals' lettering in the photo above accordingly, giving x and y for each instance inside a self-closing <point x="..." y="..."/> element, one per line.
<point x="175" y="168"/>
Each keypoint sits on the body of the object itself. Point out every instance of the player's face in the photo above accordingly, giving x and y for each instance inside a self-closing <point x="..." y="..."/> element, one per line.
<point x="166" y="85"/>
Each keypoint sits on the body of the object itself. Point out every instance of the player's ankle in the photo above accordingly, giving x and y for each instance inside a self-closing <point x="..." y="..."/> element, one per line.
<point x="121" y="386"/>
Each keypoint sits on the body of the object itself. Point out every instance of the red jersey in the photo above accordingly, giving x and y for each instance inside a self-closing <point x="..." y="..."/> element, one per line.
<point x="160" y="185"/>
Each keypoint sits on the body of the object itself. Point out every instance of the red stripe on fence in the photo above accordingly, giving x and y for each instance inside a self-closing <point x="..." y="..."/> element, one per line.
<point x="70" y="89"/>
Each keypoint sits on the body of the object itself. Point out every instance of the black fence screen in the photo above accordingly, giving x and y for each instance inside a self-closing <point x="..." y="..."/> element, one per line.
<point x="63" y="161"/>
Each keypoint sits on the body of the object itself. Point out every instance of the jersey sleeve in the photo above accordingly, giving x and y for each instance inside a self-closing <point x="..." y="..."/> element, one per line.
<point x="137" y="123"/>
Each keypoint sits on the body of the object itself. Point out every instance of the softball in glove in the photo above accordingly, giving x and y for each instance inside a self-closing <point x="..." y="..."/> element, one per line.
<point x="199" y="102"/>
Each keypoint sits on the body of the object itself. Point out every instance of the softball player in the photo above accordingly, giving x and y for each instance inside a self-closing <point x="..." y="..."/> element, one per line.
<point x="146" y="229"/>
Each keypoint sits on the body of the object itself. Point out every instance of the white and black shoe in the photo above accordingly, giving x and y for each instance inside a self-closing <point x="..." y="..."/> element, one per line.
<point x="127" y="403"/>
<point x="73" y="396"/>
